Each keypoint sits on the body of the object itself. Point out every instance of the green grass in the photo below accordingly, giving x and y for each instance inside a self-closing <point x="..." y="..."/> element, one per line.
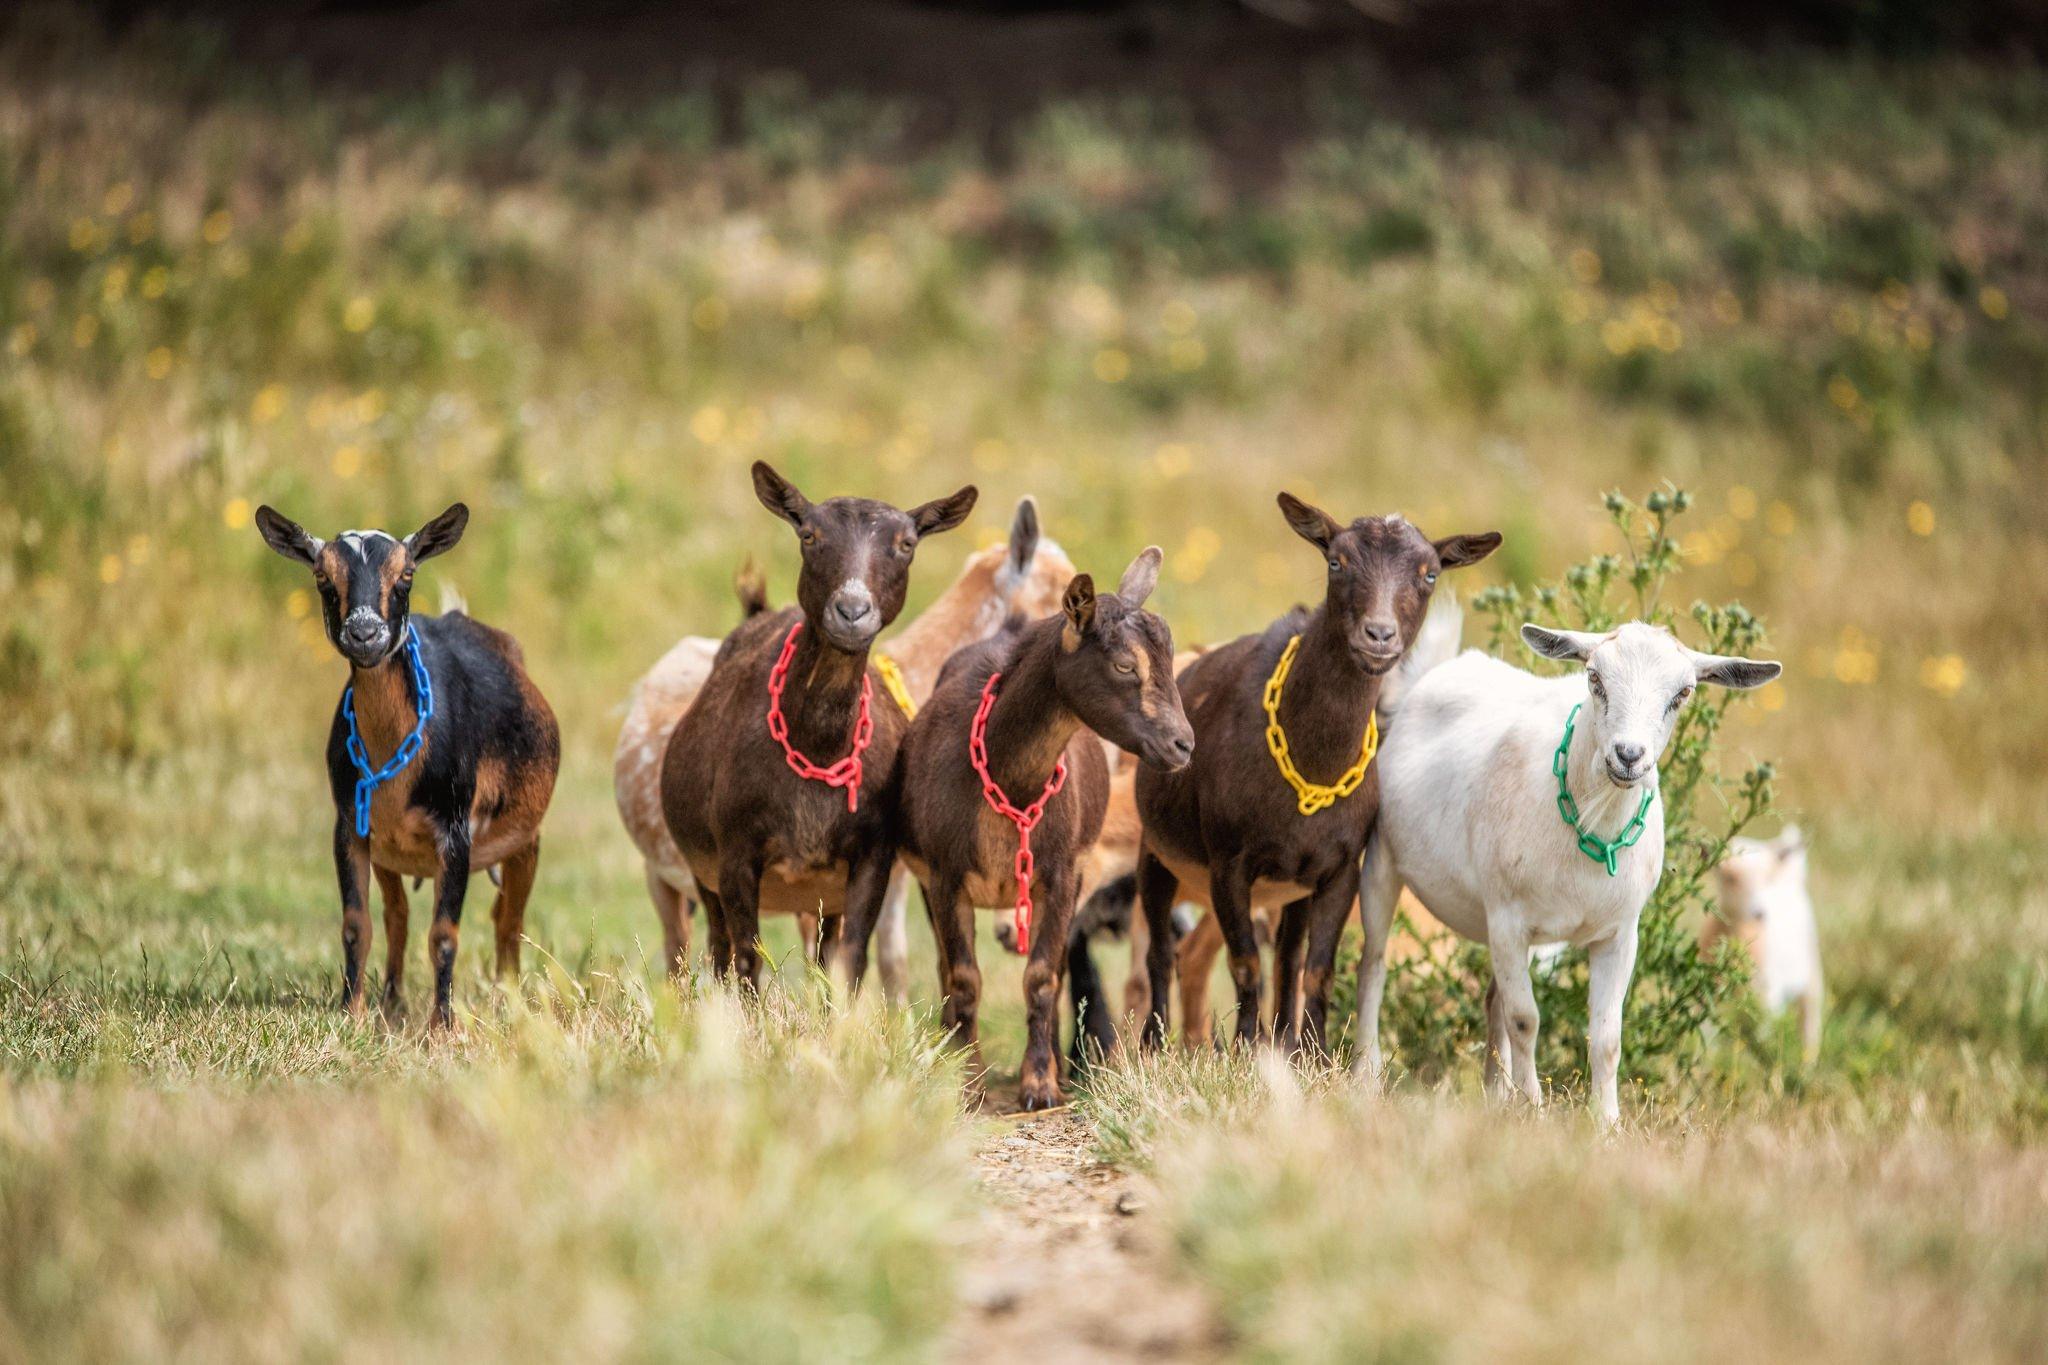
<point x="1807" y="288"/>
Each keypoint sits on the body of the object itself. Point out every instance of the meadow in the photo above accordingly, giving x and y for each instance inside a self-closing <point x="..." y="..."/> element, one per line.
<point x="1809" y="289"/>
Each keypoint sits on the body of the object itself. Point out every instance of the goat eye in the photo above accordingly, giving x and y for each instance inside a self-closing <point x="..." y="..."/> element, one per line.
<point x="1429" y="576"/>
<point x="1123" y="667"/>
<point x="1336" y="566"/>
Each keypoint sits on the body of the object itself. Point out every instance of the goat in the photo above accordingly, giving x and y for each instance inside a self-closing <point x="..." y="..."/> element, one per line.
<point x="1195" y="959"/>
<point x="758" y="821"/>
<point x="1006" y="726"/>
<point x="441" y="757"/>
<point x="1766" y="909"/>
<point x="1524" y="811"/>
<point x="1024" y="575"/>
<point x="1243" y="827"/>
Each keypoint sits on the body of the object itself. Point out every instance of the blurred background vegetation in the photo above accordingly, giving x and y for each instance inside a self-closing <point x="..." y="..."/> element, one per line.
<point x="1151" y="263"/>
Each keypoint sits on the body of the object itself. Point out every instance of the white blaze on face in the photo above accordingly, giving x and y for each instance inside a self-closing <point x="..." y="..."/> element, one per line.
<point x="1642" y="669"/>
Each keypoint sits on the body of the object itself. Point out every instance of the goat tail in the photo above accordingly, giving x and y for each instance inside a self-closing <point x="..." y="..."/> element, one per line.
<point x="751" y="583"/>
<point x="1439" y="640"/>
<point x="452" y="599"/>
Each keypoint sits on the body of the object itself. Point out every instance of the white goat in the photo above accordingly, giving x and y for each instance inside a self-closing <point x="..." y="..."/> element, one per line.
<point x="1765" y="907"/>
<point x="1476" y="820"/>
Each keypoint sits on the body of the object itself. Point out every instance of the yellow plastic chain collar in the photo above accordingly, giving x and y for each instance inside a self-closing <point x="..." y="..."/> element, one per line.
<point x="892" y="682"/>
<point x="1311" y="796"/>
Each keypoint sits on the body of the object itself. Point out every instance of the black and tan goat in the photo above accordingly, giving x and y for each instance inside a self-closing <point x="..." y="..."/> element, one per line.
<point x="1276" y="807"/>
<point x="776" y="782"/>
<point x="1002" y="787"/>
<point x="441" y="758"/>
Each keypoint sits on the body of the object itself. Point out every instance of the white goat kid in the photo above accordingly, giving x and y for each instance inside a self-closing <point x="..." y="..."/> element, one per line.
<point x="1765" y="907"/>
<point x="1473" y="819"/>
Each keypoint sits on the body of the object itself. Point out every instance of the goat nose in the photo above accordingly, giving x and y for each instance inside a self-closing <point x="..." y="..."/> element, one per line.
<point x="1629" y="754"/>
<point x="1183" y="747"/>
<point x="1380" y="633"/>
<point x="362" y="630"/>
<point x="851" y="611"/>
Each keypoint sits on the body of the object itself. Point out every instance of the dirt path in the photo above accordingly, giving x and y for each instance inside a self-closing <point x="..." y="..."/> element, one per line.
<point x="1070" y="1263"/>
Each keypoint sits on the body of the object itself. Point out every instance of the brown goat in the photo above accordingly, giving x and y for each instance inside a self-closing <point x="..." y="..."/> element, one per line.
<point x="1016" y="721"/>
<point x="1024" y="574"/>
<point x="801" y="821"/>
<point x="1230" y="830"/>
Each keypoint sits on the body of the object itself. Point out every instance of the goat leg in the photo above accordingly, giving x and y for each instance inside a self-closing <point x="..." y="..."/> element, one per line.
<point x="1609" y="966"/>
<point x="451" y="884"/>
<point x="1038" y="1086"/>
<point x="1230" y="896"/>
<point x="1327" y="912"/>
<point x="739" y="891"/>
<point x="867" y="883"/>
<point x="352" y="871"/>
<point x="1157" y="887"/>
<point x="397" y="917"/>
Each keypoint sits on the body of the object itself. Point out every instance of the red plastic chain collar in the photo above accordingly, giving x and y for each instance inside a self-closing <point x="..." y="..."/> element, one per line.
<point x="846" y="772"/>
<point x="1025" y="820"/>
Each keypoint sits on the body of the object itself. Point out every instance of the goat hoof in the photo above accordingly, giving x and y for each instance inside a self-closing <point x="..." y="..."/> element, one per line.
<point x="1035" y="1095"/>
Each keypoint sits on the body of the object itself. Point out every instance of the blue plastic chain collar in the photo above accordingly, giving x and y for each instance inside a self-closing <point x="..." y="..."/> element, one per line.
<point x="370" y="779"/>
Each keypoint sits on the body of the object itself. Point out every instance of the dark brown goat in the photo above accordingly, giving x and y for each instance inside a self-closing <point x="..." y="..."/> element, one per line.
<point x="1230" y="829"/>
<point x="1038" y="696"/>
<point x="752" y="828"/>
<point x="483" y="751"/>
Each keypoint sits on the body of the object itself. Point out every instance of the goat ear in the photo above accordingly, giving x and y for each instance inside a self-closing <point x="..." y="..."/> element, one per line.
<point x="779" y="495"/>
<point x="439" y="535"/>
<point x="944" y="513"/>
<point x="1312" y="524"/>
<point x="286" y="536"/>
<point x="1566" y="645"/>
<point x="1079" y="605"/>
<point x="1725" y="670"/>
<point x="1790" y="846"/>
<point x="1458" y="551"/>
<point x="1024" y="535"/>
<point x="1141" y="577"/>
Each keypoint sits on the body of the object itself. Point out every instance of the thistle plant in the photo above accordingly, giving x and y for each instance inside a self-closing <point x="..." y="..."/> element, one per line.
<point x="1436" y="996"/>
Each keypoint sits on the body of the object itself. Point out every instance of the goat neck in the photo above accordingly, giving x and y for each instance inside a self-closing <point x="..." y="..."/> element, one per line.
<point x="1327" y="700"/>
<point x="822" y="699"/>
<point x="1030" y="726"/>
<point x="386" y="711"/>
<point x="1604" y="808"/>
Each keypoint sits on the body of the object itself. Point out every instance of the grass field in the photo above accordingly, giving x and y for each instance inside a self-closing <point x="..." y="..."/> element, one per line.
<point x="1810" y="289"/>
